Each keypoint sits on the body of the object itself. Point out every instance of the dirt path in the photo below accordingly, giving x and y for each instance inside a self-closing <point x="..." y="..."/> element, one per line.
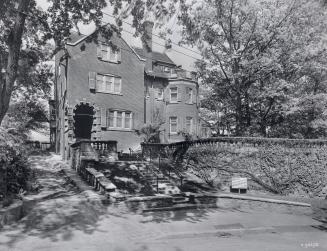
<point x="61" y="208"/>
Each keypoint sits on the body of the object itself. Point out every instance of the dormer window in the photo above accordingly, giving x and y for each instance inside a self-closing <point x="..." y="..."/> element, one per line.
<point x="107" y="53"/>
<point x="167" y="69"/>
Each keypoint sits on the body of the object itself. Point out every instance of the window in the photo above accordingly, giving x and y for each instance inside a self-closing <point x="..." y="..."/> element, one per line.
<point x="108" y="84"/>
<point x="160" y="93"/>
<point x="128" y="120"/>
<point x="119" y="119"/>
<point x="173" y="125"/>
<point x="166" y="69"/>
<point x="189" y="124"/>
<point x="189" y="95"/>
<point x="107" y="53"/>
<point x="173" y="94"/>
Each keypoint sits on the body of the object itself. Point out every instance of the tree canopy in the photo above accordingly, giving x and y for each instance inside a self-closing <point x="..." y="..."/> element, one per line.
<point x="264" y="63"/>
<point x="26" y="31"/>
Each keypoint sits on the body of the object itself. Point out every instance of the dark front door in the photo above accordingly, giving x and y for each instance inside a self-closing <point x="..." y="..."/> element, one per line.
<point x="83" y="120"/>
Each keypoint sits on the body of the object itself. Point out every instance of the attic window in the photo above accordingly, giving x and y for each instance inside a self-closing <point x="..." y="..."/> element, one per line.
<point x="107" y="53"/>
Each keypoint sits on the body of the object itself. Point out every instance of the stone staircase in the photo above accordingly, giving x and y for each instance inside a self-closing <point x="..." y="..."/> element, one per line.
<point x="159" y="182"/>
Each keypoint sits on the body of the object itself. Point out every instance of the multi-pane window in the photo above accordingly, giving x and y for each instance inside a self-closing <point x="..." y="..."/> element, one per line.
<point x="119" y="119"/>
<point x="107" y="53"/>
<point x="173" y="125"/>
<point x="109" y="84"/>
<point x="173" y="94"/>
<point x="189" y="124"/>
<point x="189" y="95"/>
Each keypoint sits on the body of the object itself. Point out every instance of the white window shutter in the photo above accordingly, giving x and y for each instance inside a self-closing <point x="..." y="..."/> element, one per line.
<point x="193" y="126"/>
<point x="119" y="55"/>
<point x="135" y="123"/>
<point x="155" y="91"/>
<point x="184" y="124"/>
<point x="193" y="96"/>
<point x="166" y="95"/>
<point x="99" y="51"/>
<point x="92" y="80"/>
<point x="103" y="118"/>
<point x="179" y="124"/>
<point x="179" y="94"/>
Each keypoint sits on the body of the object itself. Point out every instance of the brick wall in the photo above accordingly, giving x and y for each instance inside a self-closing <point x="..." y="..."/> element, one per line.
<point x="131" y="70"/>
<point x="181" y="109"/>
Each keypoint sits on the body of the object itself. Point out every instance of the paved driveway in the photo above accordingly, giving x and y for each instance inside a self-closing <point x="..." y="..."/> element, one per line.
<point x="70" y="222"/>
<point x="74" y="225"/>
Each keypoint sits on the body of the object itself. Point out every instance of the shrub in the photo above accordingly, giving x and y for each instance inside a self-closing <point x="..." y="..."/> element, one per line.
<point x="14" y="171"/>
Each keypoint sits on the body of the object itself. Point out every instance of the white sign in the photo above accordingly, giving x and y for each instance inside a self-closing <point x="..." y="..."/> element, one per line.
<point x="239" y="183"/>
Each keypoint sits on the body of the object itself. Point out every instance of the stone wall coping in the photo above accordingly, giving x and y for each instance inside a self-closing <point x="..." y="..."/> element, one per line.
<point x="244" y="197"/>
<point x="149" y="198"/>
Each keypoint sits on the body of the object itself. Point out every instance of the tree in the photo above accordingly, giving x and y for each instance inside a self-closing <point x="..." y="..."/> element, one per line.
<point x="254" y="53"/>
<point x="26" y="29"/>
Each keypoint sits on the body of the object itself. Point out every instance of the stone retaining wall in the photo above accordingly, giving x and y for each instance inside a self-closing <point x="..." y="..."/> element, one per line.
<point x="138" y="204"/>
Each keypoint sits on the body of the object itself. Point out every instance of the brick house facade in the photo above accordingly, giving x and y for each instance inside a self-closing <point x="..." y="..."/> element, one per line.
<point x="106" y="90"/>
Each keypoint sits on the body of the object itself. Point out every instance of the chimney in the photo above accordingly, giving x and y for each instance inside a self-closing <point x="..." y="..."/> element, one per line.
<point x="147" y="43"/>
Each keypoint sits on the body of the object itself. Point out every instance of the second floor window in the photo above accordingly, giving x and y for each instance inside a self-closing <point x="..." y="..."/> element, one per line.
<point x="119" y="119"/>
<point x="173" y="94"/>
<point x="108" y="84"/>
<point x="173" y="125"/>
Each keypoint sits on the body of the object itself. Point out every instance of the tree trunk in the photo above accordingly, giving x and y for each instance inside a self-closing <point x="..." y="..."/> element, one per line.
<point x="14" y="45"/>
<point x="238" y="117"/>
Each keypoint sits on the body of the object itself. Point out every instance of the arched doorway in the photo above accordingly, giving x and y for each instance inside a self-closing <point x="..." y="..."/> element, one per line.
<point x="83" y="120"/>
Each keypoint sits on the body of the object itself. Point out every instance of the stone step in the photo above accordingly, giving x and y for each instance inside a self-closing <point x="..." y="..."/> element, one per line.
<point x="161" y="182"/>
<point x="181" y="201"/>
<point x="179" y="198"/>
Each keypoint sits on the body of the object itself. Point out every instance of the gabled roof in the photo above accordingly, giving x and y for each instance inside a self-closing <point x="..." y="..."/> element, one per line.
<point x="156" y="56"/>
<point x="75" y="38"/>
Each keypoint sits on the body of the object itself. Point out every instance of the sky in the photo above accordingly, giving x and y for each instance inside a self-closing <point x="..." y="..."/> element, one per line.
<point x="176" y="53"/>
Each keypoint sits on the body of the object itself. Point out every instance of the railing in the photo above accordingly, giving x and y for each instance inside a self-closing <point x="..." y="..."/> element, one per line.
<point x="92" y="150"/>
<point x="186" y="75"/>
<point x="99" y="145"/>
<point x="131" y="156"/>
